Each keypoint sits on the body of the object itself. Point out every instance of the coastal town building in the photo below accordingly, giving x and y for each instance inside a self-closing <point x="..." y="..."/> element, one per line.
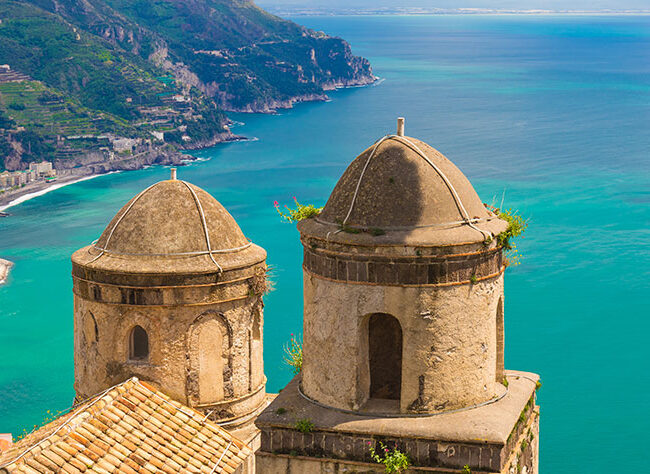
<point x="160" y="136"/>
<point x="403" y="336"/>
<point x="5" y="179"/>
<point x="42" y="169"/>
<point x="121" y="144"/>
<point x="20" y="178"/>
<point x="17" y="178"/>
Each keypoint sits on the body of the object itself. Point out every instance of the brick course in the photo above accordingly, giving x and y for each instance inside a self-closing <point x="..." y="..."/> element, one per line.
<point x="404" y="270"/>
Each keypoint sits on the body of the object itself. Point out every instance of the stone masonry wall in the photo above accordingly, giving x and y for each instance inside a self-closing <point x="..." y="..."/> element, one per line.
<point x="228" y="314"/>
<point x="402" y="270"/>
<point x="449" y="356"/>
<point x="327" y="447"/>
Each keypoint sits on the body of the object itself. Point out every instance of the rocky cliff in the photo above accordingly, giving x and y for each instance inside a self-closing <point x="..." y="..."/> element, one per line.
<point x="231" y="50"/>
<point x="143" y="68"/>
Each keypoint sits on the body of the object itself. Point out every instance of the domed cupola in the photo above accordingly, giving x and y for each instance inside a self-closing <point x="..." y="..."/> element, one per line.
<point x="402" y="190"/>
<point x="172" y="226"/>
<point x="403" y="283"/>
<point x="171" y="292"/>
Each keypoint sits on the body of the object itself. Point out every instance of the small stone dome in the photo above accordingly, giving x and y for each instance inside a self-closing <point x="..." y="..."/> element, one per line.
<point x="168" y="218"/>
<point x="173" y="222"/>
<point x="402" y="186"/>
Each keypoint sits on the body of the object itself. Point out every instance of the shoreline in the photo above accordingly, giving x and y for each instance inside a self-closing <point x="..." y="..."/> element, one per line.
<point x="5" y="266"/>
<point x="44" y="188"/>
<point x="28" y="193"/>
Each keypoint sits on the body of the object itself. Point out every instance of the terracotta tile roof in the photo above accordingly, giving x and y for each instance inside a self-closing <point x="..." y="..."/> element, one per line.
<point x="130" y="428"/>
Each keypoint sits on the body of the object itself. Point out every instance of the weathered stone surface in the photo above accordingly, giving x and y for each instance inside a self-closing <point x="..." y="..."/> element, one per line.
<point x="203" y="321"/>
<point x="403" y="270"/>
<point x="449" y="355"/>
<point x="485" y="438"/>
<point x="403" y="316"/>
<point x="398" y="187"/>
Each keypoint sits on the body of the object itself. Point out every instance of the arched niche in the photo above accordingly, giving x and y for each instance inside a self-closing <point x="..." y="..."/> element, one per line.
<point x="90" y="330"/>
<point x="209" y="344"/>
<point x="384" y="357"/>
<point x="138" y="344"/>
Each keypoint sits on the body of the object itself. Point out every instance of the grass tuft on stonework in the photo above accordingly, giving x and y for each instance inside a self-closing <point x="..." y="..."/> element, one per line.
<point x="293" y="353"/>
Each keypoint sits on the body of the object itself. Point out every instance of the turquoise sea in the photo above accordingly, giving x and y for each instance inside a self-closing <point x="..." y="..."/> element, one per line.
<point x="550" y="114"/>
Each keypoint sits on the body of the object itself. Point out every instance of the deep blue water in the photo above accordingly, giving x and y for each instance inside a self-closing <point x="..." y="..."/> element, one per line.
<point x="550" y="114"/>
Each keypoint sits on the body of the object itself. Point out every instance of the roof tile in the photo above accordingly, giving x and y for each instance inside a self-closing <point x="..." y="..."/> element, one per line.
<point x="131" y="428"/>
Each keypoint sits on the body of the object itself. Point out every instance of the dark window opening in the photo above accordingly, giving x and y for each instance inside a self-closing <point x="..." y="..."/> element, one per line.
<point x="385" y="356"/>
<point x="139" y="344"/>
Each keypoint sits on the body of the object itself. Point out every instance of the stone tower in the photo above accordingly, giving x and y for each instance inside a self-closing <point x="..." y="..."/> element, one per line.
<point x="172" y="293"/>
<point x="403" y="325"/>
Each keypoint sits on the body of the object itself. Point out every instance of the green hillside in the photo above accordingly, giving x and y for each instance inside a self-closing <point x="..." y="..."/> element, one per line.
<point x="82" y="65"/>
<point x="33" y="103"/>
<point x="132" y="67"/>
<point x="242" y="56"/>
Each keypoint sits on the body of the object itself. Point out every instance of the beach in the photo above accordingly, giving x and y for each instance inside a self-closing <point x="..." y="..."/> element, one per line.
<point x="38" y="189"/>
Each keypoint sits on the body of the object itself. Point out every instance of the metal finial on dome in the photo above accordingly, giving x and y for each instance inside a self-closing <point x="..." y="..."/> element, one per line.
<point x="400" y="126"/>
<point x="173" y="174"/>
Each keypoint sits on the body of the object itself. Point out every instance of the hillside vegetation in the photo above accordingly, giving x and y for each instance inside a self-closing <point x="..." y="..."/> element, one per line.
<point x="132" y="67"/>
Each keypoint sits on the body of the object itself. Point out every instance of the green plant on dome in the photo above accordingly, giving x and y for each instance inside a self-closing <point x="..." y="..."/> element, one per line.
<point x="517" y="225"/>
<point x="302" y="211"/>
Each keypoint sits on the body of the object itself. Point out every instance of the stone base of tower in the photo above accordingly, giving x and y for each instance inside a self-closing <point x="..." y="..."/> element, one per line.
<point x="501" y="437"/>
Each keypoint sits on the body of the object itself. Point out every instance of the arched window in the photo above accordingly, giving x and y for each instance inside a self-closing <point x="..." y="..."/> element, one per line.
<point x="385" y="356"/>
<point x="139" y="344"/>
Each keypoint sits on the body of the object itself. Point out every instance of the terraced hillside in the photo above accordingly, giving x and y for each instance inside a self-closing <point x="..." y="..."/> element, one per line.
<point x="171" y="67"/>
<point x="31" y="102"/>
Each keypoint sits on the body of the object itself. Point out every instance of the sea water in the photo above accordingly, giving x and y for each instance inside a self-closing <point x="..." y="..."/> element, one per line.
<point x="549" y="115"/>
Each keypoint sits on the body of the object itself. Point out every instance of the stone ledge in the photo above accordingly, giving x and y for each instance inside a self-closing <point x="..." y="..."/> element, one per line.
<point x="488" y="424"/>
<point x="270" y="463"/>
<point x="482" y="437"/>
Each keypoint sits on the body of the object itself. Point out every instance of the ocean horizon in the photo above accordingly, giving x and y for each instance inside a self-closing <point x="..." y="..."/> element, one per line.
<point x="548" y="114"/>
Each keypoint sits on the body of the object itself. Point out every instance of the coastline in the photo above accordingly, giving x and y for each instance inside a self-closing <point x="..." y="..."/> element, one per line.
<point x="5" y="266"/>
<point x="27" y="193"/>
<point x="85" y="171"/>
<point x="271" y="106"/>
<point x="94" y="170"/>
<point x="9" y="200"/>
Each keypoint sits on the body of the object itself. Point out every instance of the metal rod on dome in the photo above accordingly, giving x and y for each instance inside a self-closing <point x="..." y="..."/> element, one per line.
<point x="173" y="174"/>
<point x="400" y="126"/>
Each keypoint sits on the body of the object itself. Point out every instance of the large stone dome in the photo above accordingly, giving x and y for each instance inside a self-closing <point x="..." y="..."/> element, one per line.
<point x="172" y="226"/>
<point x="400" y="187"/>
